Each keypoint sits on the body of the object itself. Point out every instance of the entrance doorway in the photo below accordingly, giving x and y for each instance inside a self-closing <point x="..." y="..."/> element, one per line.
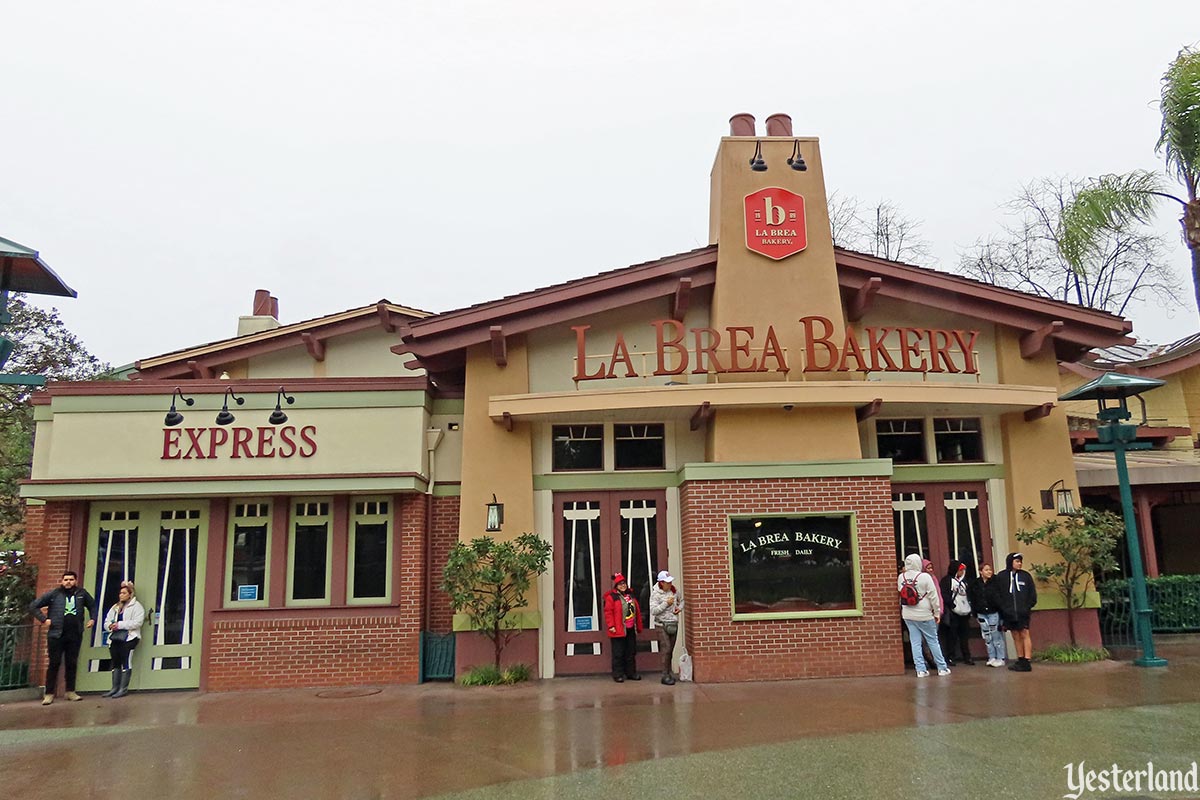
<point x="942" y="521"/>
<point x="161" y="547"/>
<point x="597" y="534"/>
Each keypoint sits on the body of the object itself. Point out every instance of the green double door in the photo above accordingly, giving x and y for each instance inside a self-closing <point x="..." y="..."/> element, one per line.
<point x="161" y="547"/>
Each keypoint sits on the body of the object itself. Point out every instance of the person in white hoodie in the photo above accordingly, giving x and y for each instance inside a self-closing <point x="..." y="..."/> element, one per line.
<point x="124" y="625"/>
<point x="922" y="617"/>
<point x="665" y="604"/>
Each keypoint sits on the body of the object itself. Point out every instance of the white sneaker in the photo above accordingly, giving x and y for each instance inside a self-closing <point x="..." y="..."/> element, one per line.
<point x="923" y="674"/>
<point x="999" y="662"/>
<point x="943" y="673"/>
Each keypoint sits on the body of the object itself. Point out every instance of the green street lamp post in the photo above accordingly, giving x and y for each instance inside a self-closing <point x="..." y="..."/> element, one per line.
<point x="1116" y="436"/>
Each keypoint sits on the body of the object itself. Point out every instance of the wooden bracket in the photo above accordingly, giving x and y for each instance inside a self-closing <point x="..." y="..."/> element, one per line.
<point x="385" y="317"/>
<point x="681" y="299"/>
<point x="200" y="370"/>
<point x="869" y="410"/>
<point x="860" y="304"/>
<point x="1037" y="412"/>
<point x="507" y="422"/>
<point x="1032" y="342"/>
<point x="315" y="346"/>
<point x="702" y="415"/>
<point x="499" y="346"/>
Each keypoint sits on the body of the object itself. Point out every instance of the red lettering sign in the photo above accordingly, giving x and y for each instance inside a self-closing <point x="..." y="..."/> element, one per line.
<point x="775" y="224"/>
<point x="205" y="443"/>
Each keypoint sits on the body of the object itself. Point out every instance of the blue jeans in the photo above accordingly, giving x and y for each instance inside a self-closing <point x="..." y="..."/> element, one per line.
<point x="989" y="626"/>
<point x="924" y="629"/>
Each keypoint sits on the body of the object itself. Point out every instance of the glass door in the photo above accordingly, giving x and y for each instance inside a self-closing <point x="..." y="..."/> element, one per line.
<point x="596" y="535"/>
<point x="161" y="547"/>
<point x="941" y="522"/>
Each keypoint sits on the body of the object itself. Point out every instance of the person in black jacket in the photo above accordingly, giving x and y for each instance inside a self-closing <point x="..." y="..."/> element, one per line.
<point x="956" y="618"/>
<point x="64" y="629"/>
<point x="1015" y="595"/>
<point x="988" y="615"/>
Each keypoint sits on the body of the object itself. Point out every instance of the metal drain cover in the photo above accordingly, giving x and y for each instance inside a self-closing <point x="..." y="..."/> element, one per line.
<point x="343" y="694"/>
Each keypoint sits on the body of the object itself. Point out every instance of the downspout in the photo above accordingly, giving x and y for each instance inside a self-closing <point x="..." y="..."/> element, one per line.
<point x="433" y="438"/>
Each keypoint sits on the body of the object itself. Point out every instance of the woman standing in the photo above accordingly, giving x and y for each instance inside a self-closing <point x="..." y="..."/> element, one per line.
<point x="623" y="618"/>
<point x="124" y="625"/>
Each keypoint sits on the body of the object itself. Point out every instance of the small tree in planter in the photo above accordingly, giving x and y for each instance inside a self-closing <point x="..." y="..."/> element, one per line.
<point x="487" y="580"/>
<point x="1084" y="542"/>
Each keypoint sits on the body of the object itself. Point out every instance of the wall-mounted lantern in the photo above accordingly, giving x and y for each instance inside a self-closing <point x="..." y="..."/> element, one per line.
<point x="1062" y="499"/>
<point x="495" y="515"/>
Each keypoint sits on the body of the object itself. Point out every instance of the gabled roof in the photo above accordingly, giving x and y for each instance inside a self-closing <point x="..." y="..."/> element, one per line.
<point x="201" y="361"/>
<point x="1147" y="360"/>
<point x="438" y="342"/>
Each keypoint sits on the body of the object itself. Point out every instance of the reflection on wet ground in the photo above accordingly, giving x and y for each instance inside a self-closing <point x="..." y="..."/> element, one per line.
<point x="588" y="737"/>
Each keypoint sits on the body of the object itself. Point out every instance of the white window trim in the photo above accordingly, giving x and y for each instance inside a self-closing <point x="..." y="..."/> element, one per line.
<point x="389" y="520"/>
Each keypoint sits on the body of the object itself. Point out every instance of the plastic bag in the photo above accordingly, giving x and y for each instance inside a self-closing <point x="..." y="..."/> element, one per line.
<point x="685" y="667"/>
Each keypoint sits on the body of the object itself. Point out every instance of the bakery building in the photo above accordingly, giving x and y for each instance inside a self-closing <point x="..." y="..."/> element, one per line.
<point x="774" y="420"/>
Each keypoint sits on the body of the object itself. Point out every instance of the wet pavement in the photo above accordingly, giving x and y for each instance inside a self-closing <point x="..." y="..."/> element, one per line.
<point x="980" y="731"/>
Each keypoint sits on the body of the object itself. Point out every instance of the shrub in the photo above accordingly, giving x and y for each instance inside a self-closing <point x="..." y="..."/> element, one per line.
<point x="1070" y="654"/>
<point x="491" y="675"/>
<point x="17" y="580"/>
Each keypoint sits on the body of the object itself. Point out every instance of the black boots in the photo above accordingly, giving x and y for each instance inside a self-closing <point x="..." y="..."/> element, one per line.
<point x="1021" y="665"/>
<point x="123" y="689"/>
<point x="116" y="679"/>
<point x="668" y="679"/>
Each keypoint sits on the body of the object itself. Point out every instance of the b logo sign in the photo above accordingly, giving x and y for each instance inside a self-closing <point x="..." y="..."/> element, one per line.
<point x="775" y="224"/>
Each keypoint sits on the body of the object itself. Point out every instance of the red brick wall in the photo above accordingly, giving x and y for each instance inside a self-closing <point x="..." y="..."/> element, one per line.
<point x="298" y="652"/>
<point x="443" y="534"/>
<point x="48" y="542"/>
<point x="725" y="650"/>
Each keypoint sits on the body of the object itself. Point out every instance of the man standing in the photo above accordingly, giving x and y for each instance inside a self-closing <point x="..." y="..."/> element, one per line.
<point x="64" y="629"/>
<point x="665" y="605"/>
<point x="1014" y="593"/>
<point x="921" y="608"/>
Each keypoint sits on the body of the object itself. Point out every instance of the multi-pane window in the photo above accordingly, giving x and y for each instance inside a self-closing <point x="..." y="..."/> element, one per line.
<point x="310" y="553"/>
<point x="249" y="532"/>
<point x="370" y="562"/>
<point x="901" y="440"/>
<point x="958" y="440"/>
<point x="577" y="447"/>
<point x="639" y="446"/>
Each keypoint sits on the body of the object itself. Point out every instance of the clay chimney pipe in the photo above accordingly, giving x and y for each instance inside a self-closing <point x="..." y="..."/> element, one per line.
<point x="275" y="307"/>
<point x="262" y="303"/>
<point x="779" y="125"/>
<point x="741" y="125"/>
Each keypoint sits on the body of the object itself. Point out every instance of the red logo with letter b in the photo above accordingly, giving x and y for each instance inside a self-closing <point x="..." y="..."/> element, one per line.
<point x="775" y="225"/>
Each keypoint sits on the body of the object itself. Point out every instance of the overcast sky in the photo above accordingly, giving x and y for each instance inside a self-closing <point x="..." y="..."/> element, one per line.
<point x="168" y="159"/>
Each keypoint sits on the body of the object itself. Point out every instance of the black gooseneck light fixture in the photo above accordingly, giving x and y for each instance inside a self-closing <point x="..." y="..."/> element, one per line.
<point x="223" y="416"/>
<point x="277" y="416"/>
<point x="173" y="417"/>
<point x="757" y="164"/>
<point x="796" y="160"/>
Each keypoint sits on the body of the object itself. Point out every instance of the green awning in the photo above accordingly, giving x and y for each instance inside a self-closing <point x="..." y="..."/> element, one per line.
<point x="22" y="270"/>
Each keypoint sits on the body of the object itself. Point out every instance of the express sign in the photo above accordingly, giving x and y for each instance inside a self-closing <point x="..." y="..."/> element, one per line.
<point x="775" y="224"/>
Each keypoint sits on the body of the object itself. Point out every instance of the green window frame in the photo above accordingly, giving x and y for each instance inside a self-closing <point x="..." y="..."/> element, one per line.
<point x="249" y="521"/>
<point x="311" y="518"/>
<point x="816" y="527"/>
<point x="367" y="514"/>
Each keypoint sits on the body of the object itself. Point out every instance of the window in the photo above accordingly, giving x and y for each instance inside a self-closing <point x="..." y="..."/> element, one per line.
<point x="799" y="565"/>
<point x="577" y="447"/>
<point x="957" y="440"/>
<point x="639" y="446"/>
<point x="310" y="552"/>
<point x="370" y="562"/>
<point x="249" y="532"/>
<point x="901" y="440"/>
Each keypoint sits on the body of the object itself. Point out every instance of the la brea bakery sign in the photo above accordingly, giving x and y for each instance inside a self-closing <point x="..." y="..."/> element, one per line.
<point x="746" y="349"/>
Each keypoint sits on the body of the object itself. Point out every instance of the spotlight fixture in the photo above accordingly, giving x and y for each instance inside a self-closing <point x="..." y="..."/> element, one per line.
<point x="277" y="416"/>
<point x="223" y="416"/>
<point x="756" y="161"/>
<point x="173" y="417"/>
<point x="796" y="161"/>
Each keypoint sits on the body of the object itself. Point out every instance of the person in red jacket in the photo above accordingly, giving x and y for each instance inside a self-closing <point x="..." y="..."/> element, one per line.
<point x="623" y="618"/>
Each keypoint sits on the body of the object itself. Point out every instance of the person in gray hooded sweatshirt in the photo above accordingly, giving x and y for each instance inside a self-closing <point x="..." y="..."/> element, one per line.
<point x="921" y="619"/>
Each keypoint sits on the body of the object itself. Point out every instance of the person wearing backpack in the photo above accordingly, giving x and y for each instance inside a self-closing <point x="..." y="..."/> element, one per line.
<point x="956" y="621"/>
<point x="920" y="608"/>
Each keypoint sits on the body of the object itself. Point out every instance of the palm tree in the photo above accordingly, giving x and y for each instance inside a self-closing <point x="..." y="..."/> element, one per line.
<point x="1131" y="196"/>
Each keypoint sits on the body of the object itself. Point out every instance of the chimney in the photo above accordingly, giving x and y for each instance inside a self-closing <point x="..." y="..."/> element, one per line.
<point x="264" y="316"/>
<point x="741" y="125"/>
<point x="779" y="125"/>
